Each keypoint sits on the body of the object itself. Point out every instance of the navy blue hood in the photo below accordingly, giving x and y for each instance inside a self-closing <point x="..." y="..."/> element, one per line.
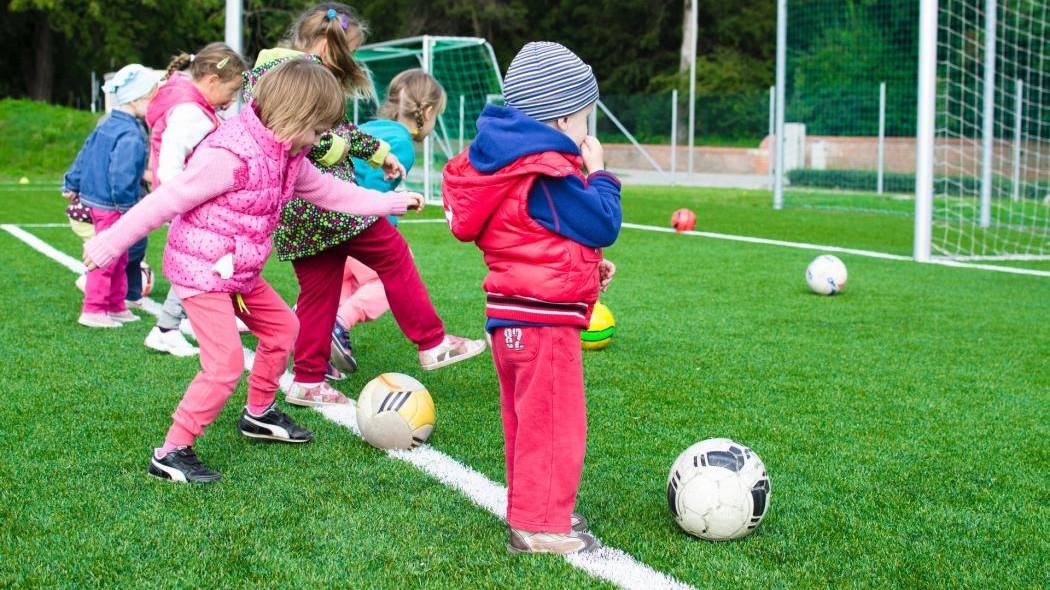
<point x="506" y="135"/>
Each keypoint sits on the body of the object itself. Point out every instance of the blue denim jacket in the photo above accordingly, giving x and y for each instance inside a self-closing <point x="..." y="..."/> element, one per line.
<point x="108" y="170"/>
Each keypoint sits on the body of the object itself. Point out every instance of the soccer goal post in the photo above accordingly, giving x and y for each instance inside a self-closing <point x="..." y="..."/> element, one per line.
<point x="983" y="131"/>
<point x="467" y="69"/>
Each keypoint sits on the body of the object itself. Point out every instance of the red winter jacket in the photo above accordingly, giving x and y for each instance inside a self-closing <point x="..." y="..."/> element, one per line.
<point x="535" y="275"/>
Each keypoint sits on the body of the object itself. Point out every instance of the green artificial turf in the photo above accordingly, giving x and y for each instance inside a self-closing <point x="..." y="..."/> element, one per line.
<point x="904" y="424"/>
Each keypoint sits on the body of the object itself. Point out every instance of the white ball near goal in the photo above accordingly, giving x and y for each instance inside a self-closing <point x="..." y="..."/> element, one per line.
<point x="826" y="275"/>
<point x="718" y="489"/>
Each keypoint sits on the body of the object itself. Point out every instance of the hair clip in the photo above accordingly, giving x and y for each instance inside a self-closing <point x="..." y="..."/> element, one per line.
<point x="192" y="57"/>
<point x="222" y="63"/>
<point x="331" y="14"/>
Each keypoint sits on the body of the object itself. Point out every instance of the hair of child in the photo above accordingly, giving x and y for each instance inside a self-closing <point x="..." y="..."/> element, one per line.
<point x="214" y="58"/>
<point x="410" y="94"/>
<point x="298" y="96"/>
<point x="343" y="32"/>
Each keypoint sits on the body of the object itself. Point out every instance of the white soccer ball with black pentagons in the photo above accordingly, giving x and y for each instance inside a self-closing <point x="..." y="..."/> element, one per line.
<point x="826" y="275"/>
<point x="394" y="411"/>
<point x="718" y="489"/>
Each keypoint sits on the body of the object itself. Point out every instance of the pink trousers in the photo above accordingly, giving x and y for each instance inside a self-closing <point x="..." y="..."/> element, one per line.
<point x="544" y="410"/>
<point x="363" y="298"/>
<point x="212" y="316"/>
<point x="106" y="287"/>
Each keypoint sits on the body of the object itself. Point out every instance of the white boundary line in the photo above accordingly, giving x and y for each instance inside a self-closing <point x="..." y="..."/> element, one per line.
<point x="607" y="563"/>
<point x="820" y="248"/>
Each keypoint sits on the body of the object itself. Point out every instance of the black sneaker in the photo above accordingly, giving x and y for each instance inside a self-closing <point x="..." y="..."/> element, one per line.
<point x="273" y="425"/>
<point x="183" y="466"/>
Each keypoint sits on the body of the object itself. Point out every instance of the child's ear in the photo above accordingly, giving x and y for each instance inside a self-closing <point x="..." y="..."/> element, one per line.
<point x="562" y="124"/>
<point x="429" y="113"/>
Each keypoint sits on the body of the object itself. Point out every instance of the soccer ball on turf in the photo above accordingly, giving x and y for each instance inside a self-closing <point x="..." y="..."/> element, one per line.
<point x="394" y="411"/>
<point x="602" y="329"/>
<point x="683" y="220"/>
<point x="718" y="490"/>
<point x="826" y="275"/>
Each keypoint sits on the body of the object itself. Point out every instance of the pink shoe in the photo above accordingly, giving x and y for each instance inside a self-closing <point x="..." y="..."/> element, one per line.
<point x="314" y="395"/>
<point x="451" y="350"/>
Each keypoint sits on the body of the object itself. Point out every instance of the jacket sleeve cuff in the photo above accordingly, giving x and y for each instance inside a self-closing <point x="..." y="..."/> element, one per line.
<point x="604" y="174"/>
<point x="380" y="155"/>
<point x="335" y="153"/>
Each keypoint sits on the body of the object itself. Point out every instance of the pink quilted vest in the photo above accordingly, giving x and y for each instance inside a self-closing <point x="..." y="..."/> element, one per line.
<point x="179" y="89"/>
<point x="239" y="222"/>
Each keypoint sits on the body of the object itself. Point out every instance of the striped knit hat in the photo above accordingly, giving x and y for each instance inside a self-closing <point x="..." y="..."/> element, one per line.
<point x="546" y="81"/>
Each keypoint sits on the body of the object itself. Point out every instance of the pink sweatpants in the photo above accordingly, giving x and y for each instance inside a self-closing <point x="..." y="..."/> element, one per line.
<point x="106" y="287"/>
<point x="363" y="298"/>
<point x="540" y="372"/>
<point x="212" y="316"/>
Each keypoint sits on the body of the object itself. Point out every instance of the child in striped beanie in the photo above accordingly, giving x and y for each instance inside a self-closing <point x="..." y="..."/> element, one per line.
<point x="545" y="272"/>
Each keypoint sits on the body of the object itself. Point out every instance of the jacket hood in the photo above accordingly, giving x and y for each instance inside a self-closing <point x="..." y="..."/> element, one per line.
<point x="506" y="134"/>
<point x="510" y="151"/>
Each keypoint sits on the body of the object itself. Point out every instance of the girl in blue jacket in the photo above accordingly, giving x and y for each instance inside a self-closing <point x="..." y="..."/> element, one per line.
<point x="106" y="177"/>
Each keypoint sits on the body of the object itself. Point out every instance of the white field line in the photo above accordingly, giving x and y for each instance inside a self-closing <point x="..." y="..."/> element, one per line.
<point x="820" y="248"/>
<point x="607" y="563"/>
<point x="954" y="263"/>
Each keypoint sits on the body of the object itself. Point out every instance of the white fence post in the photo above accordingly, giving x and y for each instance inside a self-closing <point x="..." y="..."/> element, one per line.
<point x="428" y="142"/>
<point x="772" y="132"/>
<point x="1018" y="122"/>
<point x="674" y="135"/>
<point x="778" y="181"/>
<point x="462" y="119"/>
<point x="882" y="136"/>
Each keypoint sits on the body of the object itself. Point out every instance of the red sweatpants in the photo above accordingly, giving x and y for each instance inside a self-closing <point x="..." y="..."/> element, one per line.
<point x="544" y="411"/>
<point x="381" y="248"/>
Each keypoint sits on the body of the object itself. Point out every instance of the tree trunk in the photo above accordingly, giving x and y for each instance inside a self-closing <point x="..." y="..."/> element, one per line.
<point x="686" y="54"/>
<point x="41" y="79"/>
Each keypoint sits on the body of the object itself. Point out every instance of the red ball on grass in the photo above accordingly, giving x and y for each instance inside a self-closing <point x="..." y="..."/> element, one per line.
<point x="683" y="220"/>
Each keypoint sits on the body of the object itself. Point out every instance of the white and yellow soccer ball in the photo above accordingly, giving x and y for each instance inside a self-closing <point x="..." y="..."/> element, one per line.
<point x="826" y="275"/>
<point x="718" y="489"/>
<point x="394" y="411"/>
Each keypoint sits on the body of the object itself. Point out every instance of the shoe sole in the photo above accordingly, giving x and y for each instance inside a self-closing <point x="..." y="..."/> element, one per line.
<point x="275" y="438"/>
<point x="336" y="352"/>
<point x="453" y="360"/>
<point x="127" y="321"/>
<point x="167" y="474"/>
<point x="515" y="551"/>
<point x="104" y="326"/>
<point x="171" y="351"/>
<point x="305" y="403"/>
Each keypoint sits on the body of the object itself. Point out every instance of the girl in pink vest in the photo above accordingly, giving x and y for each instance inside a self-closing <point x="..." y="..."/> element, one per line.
<point x="180" y="116"/>
<point x="223" y="209"/>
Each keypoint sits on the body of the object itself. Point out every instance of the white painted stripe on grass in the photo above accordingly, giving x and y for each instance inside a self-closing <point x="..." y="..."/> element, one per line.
<point x="839" y="249"/>
<point x="66" y="225"/>
<point x="44" y="248"/>
<point x="607" y="563"/>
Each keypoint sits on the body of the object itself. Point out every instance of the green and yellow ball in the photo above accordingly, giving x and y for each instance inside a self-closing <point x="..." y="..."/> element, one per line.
<point x="602" y="329"/>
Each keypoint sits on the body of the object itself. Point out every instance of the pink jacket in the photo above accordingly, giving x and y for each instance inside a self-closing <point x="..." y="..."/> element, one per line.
<point x="228" y="201"/>
<point x="179" y="89"/>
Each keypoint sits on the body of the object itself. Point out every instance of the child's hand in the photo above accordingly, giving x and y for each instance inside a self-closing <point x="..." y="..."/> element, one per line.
<point x="90" y="264"/>
<point x="593" y="154"/>
<point x="606" y="272"/>
<point x="392" y="168"/>
<point x="68" y="195"/>
<point x="415" y="201"/>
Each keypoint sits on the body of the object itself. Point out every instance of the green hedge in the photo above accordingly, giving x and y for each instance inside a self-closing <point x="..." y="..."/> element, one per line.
<point x="866" y="180"/>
